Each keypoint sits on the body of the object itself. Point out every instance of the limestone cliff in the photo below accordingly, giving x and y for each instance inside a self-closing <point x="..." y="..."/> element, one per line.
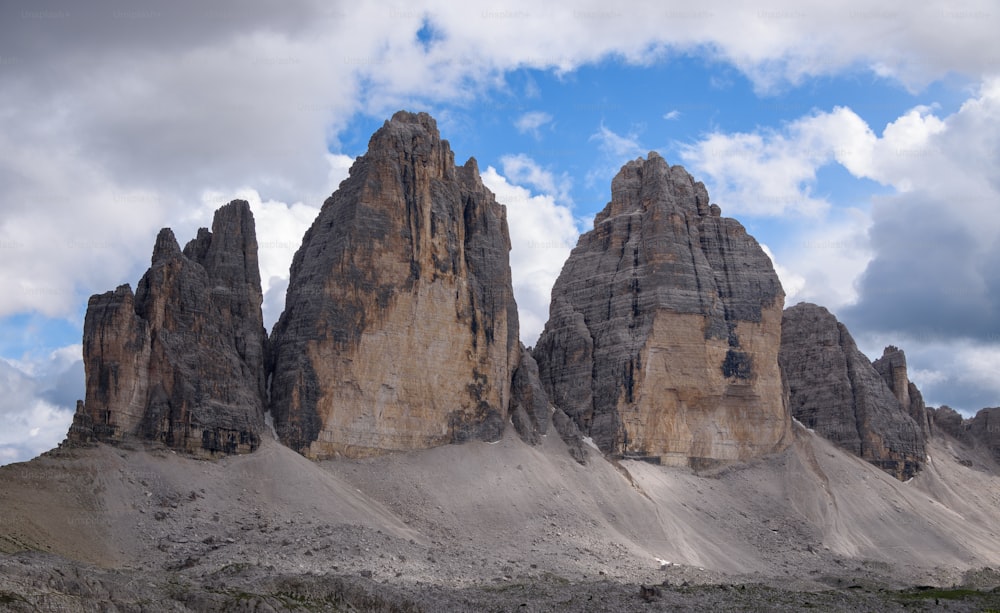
<point x="665" y="325"/>
<point x="400" y="329"/>
<point x="182" y="360"/>
<point x="836" y="391"/>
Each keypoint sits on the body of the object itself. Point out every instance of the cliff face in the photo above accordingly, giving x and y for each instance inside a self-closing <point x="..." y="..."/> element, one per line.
<point x="400" y="328"/>
<point x="665" y="325"/>
<point x="182" y="360"/>
<point x="835" y="390"/>
<point x="892" y="367"/>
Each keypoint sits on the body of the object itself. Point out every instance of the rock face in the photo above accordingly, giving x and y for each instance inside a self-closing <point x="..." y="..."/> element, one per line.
<point x="665" y="325"/>
<point x="985" y="428"/>
<point x="981" y="430"/>
<point x="400" y="329"/>
<point x="892" y="367"/>
<point x="531" y="413"/>
<point x="949" y="421"/>
<point x="529" y="404"/>
<point x="182" y="360"/>
<point x="836" y="391"/>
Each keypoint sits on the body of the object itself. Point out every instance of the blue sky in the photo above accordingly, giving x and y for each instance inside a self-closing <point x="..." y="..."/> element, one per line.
<point x="859" y="145"/>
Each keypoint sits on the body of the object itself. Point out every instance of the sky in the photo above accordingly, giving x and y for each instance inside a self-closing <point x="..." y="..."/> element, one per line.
<point x="859" y="145"/>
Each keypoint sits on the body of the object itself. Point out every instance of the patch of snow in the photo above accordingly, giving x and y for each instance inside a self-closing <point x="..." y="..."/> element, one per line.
<point x="269" y="422"/>
<point x="591" y="442"/>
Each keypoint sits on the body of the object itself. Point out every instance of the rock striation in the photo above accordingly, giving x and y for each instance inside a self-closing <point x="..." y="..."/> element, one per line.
<point x="835" y="390"/>
<point x="181" y="361"/>
<point x="400" y="329"/>
<point x="665" y="326"/>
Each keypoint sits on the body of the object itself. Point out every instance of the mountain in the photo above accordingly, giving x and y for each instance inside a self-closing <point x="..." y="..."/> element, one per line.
<point x="664" y="327"/>
<point x="400" y="329"/>
<point x="834" y="389"/>
<point x="181" y="361"/>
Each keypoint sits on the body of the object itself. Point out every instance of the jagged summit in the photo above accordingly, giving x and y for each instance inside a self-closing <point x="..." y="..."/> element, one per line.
<point x="400" y="328"/>
<point x="182" y="360"/>
<point x="664" y="327"/>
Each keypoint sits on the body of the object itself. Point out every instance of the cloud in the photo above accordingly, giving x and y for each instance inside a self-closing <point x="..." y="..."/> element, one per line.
<point x="622" y="148"/>
<point x="773" y="172"/>
<point x="672" y="115"/>
<point x="542" y="234"/>
<point x="530" y="122"/>
<point x="935" y="272"/>
<point x="37" y="400"/>
<point x="114" y="120"/>
<point x="523" y="170"/>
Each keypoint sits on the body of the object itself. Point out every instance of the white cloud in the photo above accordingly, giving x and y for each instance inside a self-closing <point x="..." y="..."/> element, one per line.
<point x="37" y="400"/>
<point x="521" y="169"/>
<point x="542" y="234"/>
<point x="623" y="148"/>
<point x="672" y="115"/>
<point x="531" y="122"/>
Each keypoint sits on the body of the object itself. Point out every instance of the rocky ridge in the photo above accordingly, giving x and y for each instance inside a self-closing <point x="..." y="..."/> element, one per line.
<point x="834" y="389"/>
<point x="981" y="430"/>
<point x="181" y="361"/>
<point x="664" y="327"/>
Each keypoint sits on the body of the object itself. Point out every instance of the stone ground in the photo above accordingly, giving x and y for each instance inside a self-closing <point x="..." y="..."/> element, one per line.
<point x="502" y="527"/>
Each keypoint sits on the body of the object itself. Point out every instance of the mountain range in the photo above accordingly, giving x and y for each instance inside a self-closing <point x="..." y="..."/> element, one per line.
<point x="387" y="445"/>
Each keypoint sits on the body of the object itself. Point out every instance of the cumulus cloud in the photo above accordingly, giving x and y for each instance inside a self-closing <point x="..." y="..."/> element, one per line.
<point x="37" y="400"/>
<point x="542" y="234"/>
<point x="114" y="119"/>
<point x="936" y="266"/>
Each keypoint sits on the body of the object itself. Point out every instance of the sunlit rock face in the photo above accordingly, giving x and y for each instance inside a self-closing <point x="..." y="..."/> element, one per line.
<point x="400" y="329"/>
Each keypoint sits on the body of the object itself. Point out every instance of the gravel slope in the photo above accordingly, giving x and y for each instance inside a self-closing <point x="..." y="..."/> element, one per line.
<point x="468" y="527"/>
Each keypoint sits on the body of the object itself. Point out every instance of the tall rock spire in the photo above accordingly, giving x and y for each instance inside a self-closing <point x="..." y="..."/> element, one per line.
<point x="665" y="325"/>
<point x="400" y="329"/>
<point x="182" y="360"/>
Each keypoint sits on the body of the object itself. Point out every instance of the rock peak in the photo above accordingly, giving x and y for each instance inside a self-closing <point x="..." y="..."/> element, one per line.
<point x="181" y="361"/>
<point x="400" y="329"/>
<point x="649" y="181"/>
<point x="166" y="246"/>
<point x="664" y="327"/>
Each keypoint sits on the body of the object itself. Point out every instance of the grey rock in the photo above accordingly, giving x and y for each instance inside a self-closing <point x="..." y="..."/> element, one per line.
<point x="835" y="390"/>
<point x="950" y="422"/>
<point x="664" y="326"/>
<point x="984" y="428"/>
<point x="182" y="360"/>
<point x="892" y="367"/>
<point x="529" y="404"/>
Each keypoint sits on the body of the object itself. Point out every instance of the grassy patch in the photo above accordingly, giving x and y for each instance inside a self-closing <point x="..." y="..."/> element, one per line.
<point x="10" y="598"/>
<point x="927" y="593"/>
